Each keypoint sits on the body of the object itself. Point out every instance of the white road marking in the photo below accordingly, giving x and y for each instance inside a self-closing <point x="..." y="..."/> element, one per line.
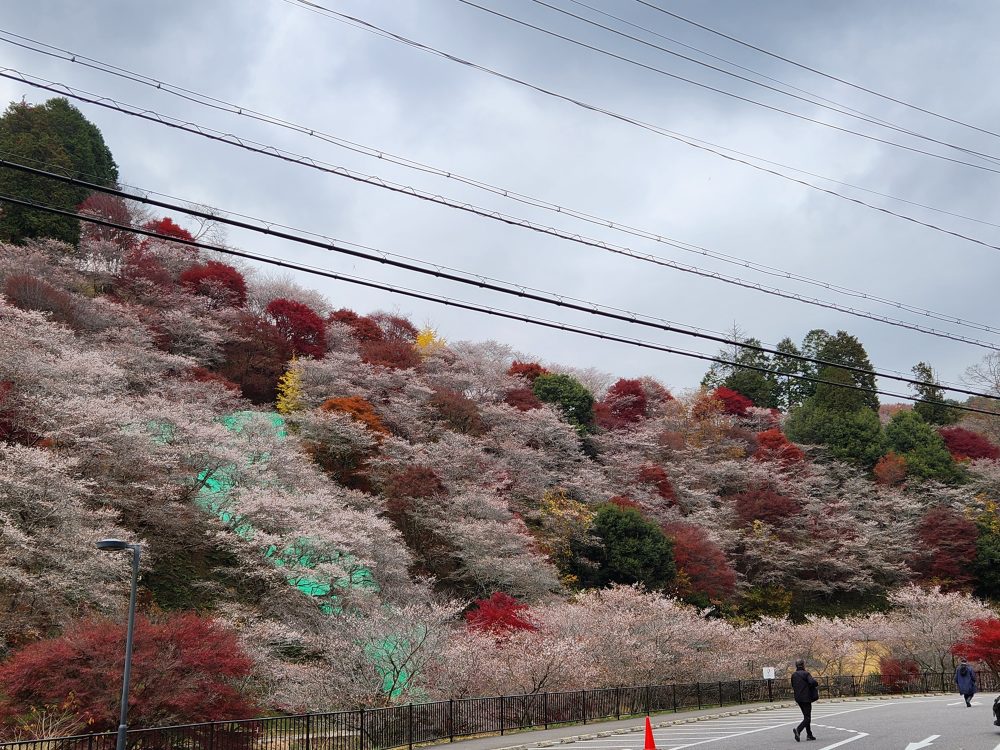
<point x="922" y="743"/>
<point x="858" y="736"/>
<point x="962" y="703"/>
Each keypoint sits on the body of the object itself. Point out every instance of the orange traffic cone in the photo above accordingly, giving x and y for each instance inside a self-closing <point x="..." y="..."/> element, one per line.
<point x="650" y="744"/>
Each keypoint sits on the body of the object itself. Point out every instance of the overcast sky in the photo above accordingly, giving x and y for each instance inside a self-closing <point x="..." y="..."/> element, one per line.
<point x="278" y="57"/>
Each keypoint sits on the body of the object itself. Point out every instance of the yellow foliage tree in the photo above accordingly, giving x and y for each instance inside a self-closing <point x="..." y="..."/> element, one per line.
<point x="290" y="389"/>
<point x="428" y="339"/>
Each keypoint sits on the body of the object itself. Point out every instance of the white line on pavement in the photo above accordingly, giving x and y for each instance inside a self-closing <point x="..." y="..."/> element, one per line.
<point x="858" y="736"/>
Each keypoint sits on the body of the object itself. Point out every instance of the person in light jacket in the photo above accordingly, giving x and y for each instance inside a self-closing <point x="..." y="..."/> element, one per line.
<point x="965" y="680"/>
<point x="806" y="691"/>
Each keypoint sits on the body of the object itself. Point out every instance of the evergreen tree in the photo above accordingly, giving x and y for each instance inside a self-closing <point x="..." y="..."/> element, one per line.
<point x="570" y="396"/>
<point x="789" y="392"/>
<point x="628" y="549"/>
<point x="926" y="454"/>
<point x="53" y="136"/>
<point x="845" y="349"/>
<point x="938" y="412"/>
<point x="759" y="387"/>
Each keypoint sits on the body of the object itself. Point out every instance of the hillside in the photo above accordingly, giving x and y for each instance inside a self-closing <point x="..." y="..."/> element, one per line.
<point x="337" y="508"/>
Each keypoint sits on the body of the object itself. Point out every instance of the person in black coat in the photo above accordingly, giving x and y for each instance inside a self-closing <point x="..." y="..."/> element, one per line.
<point x="806" y="691"/>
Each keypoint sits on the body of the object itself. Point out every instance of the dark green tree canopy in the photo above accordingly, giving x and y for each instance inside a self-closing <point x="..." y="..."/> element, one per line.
<point x="854" y="437"/>
<point x="54" y="136"/>
<point x="926" y="454"/>
<point x="940" y="411"/>
<point x="569" y="395"/>
<point x="629" y="549"/>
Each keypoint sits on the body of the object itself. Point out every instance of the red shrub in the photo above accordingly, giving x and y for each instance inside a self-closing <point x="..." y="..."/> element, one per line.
<point x="947" y="544"/>
<point x="415" y="482"/>
<point x="702" y="566"/>
<point x="656" y="476"/>
<point x="733" y="402"/>
<point x="500" y="614"/>
<point x="523" y="399"/>
<point x="31" y="293"/>
<point x="304" y="330"/>
<point x="671" y="440"/>
<point x="358" y="409"/>
<point x="202" y="375"/>
<point x="362" y="329"/>
<point x="983" y="643"/>
<point x="624" y="501"/>
<point x="890" y="469"/>
<point x="395" y="328"/>
<point x="142" y="271"/>
<point x="110" y="208"/>
<point x="527" y="370"/>
<point x="184" y="669"/>
<point x="256" y="359"/>
<point x="963" y="444"/>
<point x="459" y="412"/>
<point x="167" y="226"/>
<point x="897" y="674"/>
<point x="765" y="505"/>
<point x="624" y="404"/>
<point x="396" y="355"/>
<point x="217" y="281"/>
<point x="772" y="445"/>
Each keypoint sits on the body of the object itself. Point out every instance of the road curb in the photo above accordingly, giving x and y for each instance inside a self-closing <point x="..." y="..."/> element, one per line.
<point x="706" y="717"/>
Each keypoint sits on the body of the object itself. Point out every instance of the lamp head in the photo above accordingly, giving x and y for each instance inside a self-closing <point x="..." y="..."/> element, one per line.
<point x="113" y="545"/>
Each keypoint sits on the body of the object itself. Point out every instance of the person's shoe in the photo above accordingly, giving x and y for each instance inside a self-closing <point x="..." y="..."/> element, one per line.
<point x="810" y="737"/>
<point x="968" y="703"/>
<point x="796" y="733"/>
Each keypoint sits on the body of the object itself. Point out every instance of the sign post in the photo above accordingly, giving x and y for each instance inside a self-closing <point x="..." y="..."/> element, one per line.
<point x="769" y="677"/>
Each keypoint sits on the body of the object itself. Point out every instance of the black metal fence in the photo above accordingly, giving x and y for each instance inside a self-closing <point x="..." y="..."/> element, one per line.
<point x="416" y="723"/>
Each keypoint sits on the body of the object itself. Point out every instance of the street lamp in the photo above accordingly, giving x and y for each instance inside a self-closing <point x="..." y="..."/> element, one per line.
<point x="117" y="545"/>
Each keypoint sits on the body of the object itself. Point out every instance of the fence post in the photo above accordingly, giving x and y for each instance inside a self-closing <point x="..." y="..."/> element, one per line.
<point x="503" y="714"/>
<point x="308" y="727"/>
<point x="451" y="720"/>
<point x="673" y="697"/>
<point x="584" y="697"/>
<point x="720" y="693"/>
<point x="409" y="721"/>
<point x="739" y="691"/>
<point x="649" y="700"/>
<point x="545" y="709"/>
<point x="90" y="742"/>
<point x="942" y="682"/>
<point x="361" y="726"/>
<point x="770" y="691"/>
<point x="697" y="687"/>
<point x="618" y="702"/>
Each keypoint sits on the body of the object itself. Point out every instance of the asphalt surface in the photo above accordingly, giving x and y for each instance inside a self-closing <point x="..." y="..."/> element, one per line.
<point x="936" y="723"/>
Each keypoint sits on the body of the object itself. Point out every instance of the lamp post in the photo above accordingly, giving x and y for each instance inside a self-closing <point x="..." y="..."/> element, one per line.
<point x="117" y="545"/>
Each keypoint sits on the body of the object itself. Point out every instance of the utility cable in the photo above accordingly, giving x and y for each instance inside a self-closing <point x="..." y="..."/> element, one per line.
<point x="221" y="105"/>
<point x="459" y="304"/>
<point x="814" y="70"/>
<point x="206" y="100"/>
<point x="733" y="95"/>
<point x="550" y="298"/>
<point x="673" y="135"/>
<point x="275" y="152"/>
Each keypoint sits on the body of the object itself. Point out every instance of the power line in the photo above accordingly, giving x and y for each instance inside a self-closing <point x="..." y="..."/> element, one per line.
<point x="243" y="111"/>
<point x="814" y="70"/>
<point x="691" y="141"/>
<point x="466" y="305"/>
<point x="218" y="104"/>
<point x="733" y="95"/>
<point x="275" y="152"/>
<point x="550" y="298"/>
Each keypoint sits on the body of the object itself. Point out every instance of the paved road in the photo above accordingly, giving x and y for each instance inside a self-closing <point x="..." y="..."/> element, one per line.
<point x="939" y="723"/>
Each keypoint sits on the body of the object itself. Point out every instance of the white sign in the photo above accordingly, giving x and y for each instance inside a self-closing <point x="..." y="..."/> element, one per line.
<point x="768" y="673"/>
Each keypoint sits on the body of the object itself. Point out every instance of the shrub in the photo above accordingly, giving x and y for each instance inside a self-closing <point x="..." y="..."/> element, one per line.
<point x="704" y="574"/>
<point x="256" y="358"/>
<point x="626" y="549"/>
<point x="522" y="399"/>
<point x="947" y="549"/>
<point x="624" y="501"/>
<point x="395" y="355"/>
<point x="527" y="370"/>
<point x="142" y="273"/>
<point x="110" y="208"/>
<point x="186" y="668"/>
<point x="30" y="293"/>
<point x="302" y="328"/>
<point x="764" y="504"/>
<point x="458" y="411"/>
<point x="571" y="397"/>
<point x="167" y="227"/>
<point x="772" y="445"/>
<point x="500" y="614"/>
<point x="897" y="674"/>
<point x="359" y="410"/>
<point x="219" y="282"/>
<point x="395" y="328"/>
<point x="890" y="469"/>
<point x="982" y="644"/>
<point x="965" y="444"/>
<point x="624" y="404"/>
<point x="733" y="402"/>
<point x="362" y="329"/>
<point x="655" y="475"/>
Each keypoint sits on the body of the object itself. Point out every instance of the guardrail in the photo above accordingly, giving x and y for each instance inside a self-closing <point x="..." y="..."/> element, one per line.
<point x="418" y="723"/>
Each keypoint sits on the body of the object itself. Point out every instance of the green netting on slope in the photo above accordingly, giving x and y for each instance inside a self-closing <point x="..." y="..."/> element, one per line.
<point x="215" y="486"/>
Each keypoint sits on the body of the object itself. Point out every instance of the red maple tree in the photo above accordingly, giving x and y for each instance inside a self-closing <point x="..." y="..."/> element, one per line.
<point x="983" y="643"/>
<point x="624" y="404"/>
<point x="733" y="402"/>
<point x="764" y="504"/>
<point x="947" y="548"/>
<point x="522" y="399"/>
<point x="890" y="469"/>
<point x="167" y="226"/>
<point x="500" y="614"/>
<point x="304" y="330"/>
<point x="185" y="668"/>
<point x="216" y="280"/>
<point x="702" y="566"/>
<point x="772" y="445"/>
<point x="655" y="475"/>
<point x="527" y="370"/>
<point x="964" y="444"/>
